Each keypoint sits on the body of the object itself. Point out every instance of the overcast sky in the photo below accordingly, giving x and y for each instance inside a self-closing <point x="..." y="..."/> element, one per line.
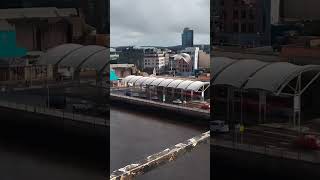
<point x="158" y="22"/>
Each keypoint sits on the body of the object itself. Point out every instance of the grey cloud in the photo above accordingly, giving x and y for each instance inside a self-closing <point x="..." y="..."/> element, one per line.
<point x="158" y="22"/>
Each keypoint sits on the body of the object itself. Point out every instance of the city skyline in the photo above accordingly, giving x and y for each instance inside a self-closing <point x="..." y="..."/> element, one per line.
<point x="159" y="30"/>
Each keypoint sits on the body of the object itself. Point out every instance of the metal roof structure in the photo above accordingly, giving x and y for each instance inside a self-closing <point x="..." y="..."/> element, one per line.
<point x="167" y="82"/>
<point x="257" y="75"/>
<point x="219" y="63"/>
<point x="77" y="56"/>
<point x="42" y="12"/>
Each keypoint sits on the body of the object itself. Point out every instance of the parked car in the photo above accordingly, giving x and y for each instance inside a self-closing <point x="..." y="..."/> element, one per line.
<point x="177" y="101"/>
<point x="219" y="126"/>
<point x="143" y="96"/>
<point x="308" y="142"/>
<point x="128" y="93"/>
<point x="155" y="98"/>
<point x="57" y="102"/>
<point x="83" y="108"/>
<point x="135" y="95"/>
<point x="205" y="106"/>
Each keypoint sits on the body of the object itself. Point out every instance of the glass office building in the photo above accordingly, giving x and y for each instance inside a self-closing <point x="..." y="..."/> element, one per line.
<point x="187" y="37"/>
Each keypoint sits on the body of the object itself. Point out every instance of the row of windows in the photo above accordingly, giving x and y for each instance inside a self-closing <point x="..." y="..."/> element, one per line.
<point x="236" y="2"/>
<point x="243" y="14"/>
<point x="239" y="14"/>
<point x="184" y="70"/>
<point x="184" y="66"/>
<point x="244" y="27"/>
<point x="151" y="60"/>
<point x="148" y="63"/>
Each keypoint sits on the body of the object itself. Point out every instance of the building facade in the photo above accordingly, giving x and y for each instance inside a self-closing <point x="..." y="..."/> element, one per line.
<point x="96" y="11"/>
<point x="154" y="60"/>
<point x="131" y="55"/>
<point x="297" y="10"/>
<point x="204" y="60"/>
<point x="187" y="37"/>
<point x="244" y="22"/>
<point x="194" y="54"/>
<point x="183" y="64"/>
<point x="39" y="29"/>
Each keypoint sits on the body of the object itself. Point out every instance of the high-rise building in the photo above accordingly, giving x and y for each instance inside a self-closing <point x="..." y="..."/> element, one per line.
<point x="244" y="22"/>
<point x="187" y="37"/>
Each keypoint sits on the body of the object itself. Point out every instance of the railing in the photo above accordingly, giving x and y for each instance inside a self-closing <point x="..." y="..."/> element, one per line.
<point x="43" y="110"/>
<point x="159" y="103"/>
<point x="270" y="150"/>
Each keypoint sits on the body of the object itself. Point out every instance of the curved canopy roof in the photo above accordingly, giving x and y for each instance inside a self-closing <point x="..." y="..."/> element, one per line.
<point x="164" y="82"/>
<point x="175" y="83"/>
<point x="157" y="81"/>
<point x="149" y="81"/>
<point x="218" y="65"/>
<point x="56" y="54"/>
<point x="253" y="74"/>
<point x="197" y="85"/>
<point x="77" y="56"/>
<point x="134" y="79"/>
<point x="141" y="80"/>
<point x="97" y="61"/>
<point x="184" y="84"/>
<point x="238" y="73"/>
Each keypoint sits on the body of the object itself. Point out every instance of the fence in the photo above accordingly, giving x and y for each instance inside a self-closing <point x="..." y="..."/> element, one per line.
<point x="43" y="110"/>
<point x="269" y="150"/>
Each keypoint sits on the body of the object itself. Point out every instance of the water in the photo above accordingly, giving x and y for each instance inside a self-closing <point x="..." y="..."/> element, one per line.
<point x="137" y="134"/>
<point x="37" y="148"/>
<point x="33" y="147"/>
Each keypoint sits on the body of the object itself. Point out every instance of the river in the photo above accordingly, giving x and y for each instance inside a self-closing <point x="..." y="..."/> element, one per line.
<point x="135" y="134"/>
<point x="38" y="148"/>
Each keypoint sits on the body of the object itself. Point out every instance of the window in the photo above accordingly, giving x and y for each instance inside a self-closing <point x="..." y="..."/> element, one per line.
<point x="224" y="14"/>
<point x="235" y="14"/>
<point x="251" y="28"/>
<point x="243" y="27"/>
<point x="243" y="14"/>
<point x="251" y="14"/>
<point x="235" y="27"/>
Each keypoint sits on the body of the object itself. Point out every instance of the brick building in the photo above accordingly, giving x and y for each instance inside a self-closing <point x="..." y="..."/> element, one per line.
<point x="244" y="22"/>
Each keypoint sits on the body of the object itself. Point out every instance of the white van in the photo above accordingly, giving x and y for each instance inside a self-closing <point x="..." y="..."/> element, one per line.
<point x="219" y="126"/>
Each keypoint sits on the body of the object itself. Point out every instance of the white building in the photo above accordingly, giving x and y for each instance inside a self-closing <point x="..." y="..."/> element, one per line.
<point x="154" y="59"/>
<point x="114" y="55"/>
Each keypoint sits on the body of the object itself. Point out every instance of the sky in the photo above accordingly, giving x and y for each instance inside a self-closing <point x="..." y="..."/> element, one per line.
<point x="158" y="22"/>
